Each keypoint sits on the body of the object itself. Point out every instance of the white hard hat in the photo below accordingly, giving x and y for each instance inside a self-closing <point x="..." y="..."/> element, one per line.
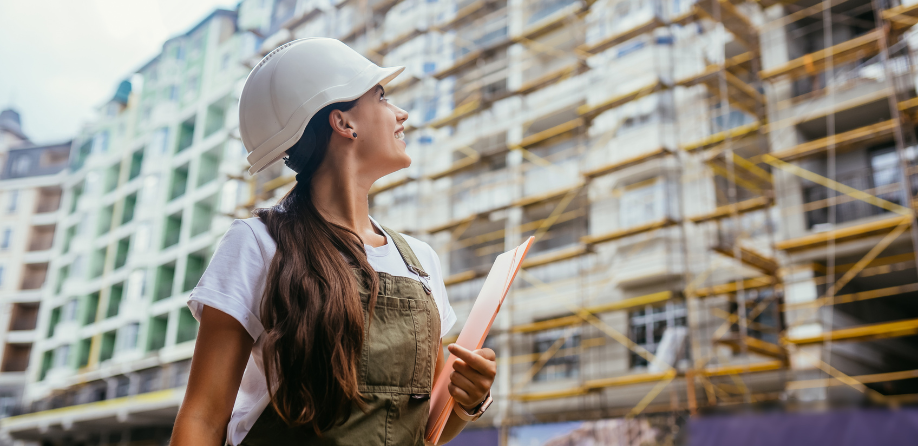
<point x="291" y="84"/>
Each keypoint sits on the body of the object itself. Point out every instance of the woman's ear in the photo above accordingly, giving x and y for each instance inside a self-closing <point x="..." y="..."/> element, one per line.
<point x="340" y="124"/>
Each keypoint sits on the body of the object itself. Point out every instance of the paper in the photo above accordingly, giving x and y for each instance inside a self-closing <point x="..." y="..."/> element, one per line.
<point x="473" y="334"/>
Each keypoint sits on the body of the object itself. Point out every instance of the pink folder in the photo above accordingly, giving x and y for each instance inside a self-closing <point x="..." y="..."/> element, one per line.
<point x="474" y="332"/>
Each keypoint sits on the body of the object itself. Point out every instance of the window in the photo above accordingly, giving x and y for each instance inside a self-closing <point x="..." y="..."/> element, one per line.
<point x="191" y="86"/>
<point x="21" y="165"/>
<point x="1" y="275"/>
<point x="13" y="201"/>
<point x="70" y="310"/>
<point x="172" y="92"/>
<point x="159" y="141"/>
<point x="6" y="239"/>
<point x="127" y="337"/>
<point x="642" y="204"/>
<point x="884" y="169"/>
<point x="565" y="363"/>
<point x="61" y="356"/>
<point x="649" y="325"/>
<point x="100" y="143"/>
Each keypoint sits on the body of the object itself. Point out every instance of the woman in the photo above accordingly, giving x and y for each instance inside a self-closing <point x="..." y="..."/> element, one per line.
<point x="343" y="317"/>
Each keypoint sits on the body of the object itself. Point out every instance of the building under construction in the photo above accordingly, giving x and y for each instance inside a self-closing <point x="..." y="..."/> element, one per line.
<point x="721" y="195"/>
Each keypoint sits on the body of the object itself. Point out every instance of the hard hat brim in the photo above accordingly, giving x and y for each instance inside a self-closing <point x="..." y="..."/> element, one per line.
<point x="274" y="149"/>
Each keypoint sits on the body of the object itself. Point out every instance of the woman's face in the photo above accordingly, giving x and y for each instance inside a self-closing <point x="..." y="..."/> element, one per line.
<point x="380" y="132"/>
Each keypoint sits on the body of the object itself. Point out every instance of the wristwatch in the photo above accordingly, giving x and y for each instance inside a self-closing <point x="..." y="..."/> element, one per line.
<point x="476" y="411"/>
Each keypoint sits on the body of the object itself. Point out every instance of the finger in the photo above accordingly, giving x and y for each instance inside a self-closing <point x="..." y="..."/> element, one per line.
<point x="475" y="361"/>
<point x="461" y="396"/>
<point x="486" y="353"/>
<point x="472" y="374"/>
<point x="470" y="386"/>
<point x="490" y="370"/>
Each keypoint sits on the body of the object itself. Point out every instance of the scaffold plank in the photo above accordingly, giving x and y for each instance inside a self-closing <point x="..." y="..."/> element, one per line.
<point x="470" y="59"/>
<point x="732" y="287"/>
<point x="734" y="369"/>
<point x="622" y="233"/>
<point x="458" y="113"/>
<point x="853" y="297"/>
<point x="739" y="93"/>
<point x="277" y="183"/>
<point x="376" y="189"/>
<point x="626" y="163"/>
<point x="464" y="276"/>
<point x="556" y="256"/>
<point x="547" y="196"/>
<point x="733" y="20"/>
<point x="851" y="50"/>
<point x="590" y="112"/>
<point x="461" y="15"/>
<point x="754" y="345"/>
<point x="870" y="332"/>
<point x="552" y="77"/>
<point x="541" y="29"/>
<point x="733" y="134"/>
<point x="751" y="258"/>
<point x="451" y="224"/>
<point x="621" y="37"/>
<point x="751" y="205"/>
<point x="455" y="167"/>
<point x="623" y="304"/>
<point x="644" y="378"/>
<point x="384" y="47"/>
<point x="396" y="87"/>
<point x="902" y="16"/>
<point x="863" y="379"/>
<point x="842" y="235"/>
<point x="864" y="135"/>
<point x="553" y="132"/>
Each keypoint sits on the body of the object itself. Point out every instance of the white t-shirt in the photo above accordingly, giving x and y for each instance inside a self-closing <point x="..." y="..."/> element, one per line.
<point x="234" y="283"/>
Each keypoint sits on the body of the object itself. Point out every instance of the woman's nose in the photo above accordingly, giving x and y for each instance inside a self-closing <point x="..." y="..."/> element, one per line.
<point x="400" y="115"/>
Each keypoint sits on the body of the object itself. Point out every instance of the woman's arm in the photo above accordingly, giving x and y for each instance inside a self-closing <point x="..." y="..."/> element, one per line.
<point x="471" y="379"/>
<point x="220" y="355"/>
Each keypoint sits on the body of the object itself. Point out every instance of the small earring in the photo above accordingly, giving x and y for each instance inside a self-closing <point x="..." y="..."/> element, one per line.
<point x="355" y="134"/>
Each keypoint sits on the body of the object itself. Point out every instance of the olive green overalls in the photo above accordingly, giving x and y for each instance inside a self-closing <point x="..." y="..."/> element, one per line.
<point x="395" y="371"/>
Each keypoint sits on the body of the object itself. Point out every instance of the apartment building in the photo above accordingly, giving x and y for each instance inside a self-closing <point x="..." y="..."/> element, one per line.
<point x="30" y="186"/>
<point x="144" y="200"/>
<point x="717" y="191"/>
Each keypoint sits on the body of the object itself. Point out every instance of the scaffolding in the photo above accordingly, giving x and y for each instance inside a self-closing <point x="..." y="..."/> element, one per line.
<point x="717" y="190"/>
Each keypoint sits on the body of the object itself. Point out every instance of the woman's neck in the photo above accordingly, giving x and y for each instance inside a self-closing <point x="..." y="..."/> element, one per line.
<point x="340" y="194"/>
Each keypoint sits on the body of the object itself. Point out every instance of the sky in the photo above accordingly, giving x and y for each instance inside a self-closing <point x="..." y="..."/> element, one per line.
<point x="60" y="59"/>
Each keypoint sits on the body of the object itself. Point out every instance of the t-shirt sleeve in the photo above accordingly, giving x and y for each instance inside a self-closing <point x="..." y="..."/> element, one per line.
<point x="447" y="315"/>
<point x="234" y="281"/>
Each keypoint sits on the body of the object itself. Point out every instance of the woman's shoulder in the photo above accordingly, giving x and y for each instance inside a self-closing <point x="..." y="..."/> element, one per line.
<point x="421" y="249"/>
<point x="250" y="231"/>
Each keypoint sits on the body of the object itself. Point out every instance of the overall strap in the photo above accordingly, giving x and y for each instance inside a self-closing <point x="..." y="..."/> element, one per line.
<point x="411" y="261"/>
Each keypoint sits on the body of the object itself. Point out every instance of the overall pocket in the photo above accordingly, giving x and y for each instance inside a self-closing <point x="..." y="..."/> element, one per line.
<point x="391" y="344"/>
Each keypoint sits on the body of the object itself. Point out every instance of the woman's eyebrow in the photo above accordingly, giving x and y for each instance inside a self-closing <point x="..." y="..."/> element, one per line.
<point x="381" y="89"/>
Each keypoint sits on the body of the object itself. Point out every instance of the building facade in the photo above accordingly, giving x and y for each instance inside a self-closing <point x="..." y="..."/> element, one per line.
<point x="721" y="195"/>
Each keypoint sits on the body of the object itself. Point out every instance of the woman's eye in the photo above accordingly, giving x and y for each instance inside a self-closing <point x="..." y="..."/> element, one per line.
<point x="383" y="98"/>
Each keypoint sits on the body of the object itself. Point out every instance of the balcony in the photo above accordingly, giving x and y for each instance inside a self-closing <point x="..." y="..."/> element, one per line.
<point x="42" y="237"/>
<point x="34" y="276"/>
<point x="882" y="183"/>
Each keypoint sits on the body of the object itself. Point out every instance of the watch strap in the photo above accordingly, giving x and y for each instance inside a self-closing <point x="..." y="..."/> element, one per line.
<point x="476" y="412"/>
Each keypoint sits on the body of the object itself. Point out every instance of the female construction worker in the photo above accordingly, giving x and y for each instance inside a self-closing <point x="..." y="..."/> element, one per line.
<point x="318" y="325"/>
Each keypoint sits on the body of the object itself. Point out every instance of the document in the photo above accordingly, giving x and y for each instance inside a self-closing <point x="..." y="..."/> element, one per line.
<point x="473" y="334"/>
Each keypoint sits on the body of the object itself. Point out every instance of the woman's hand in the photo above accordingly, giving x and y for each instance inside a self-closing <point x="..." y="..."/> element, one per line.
<point x="472" y="375"/>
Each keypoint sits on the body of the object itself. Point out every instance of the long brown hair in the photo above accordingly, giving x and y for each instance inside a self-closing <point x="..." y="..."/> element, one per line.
<point x="311" y="309"/>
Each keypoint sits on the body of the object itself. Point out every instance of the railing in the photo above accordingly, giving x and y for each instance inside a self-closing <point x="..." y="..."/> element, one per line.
<point x="873" y="181"/>
<point x="851" y="75"/>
